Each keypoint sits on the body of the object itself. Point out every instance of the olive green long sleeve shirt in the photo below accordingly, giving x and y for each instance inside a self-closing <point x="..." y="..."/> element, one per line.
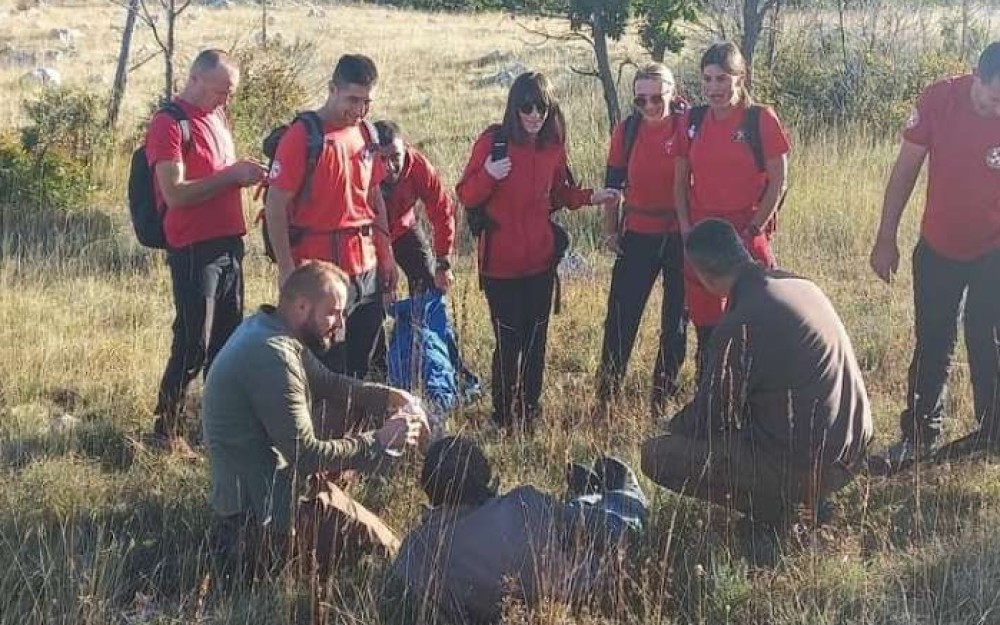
<point x="258" y="426"/>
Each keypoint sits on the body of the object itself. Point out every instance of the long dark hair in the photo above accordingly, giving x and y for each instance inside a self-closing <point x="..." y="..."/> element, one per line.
<point x="534" y="87"/>
<point x="728" y="57"/>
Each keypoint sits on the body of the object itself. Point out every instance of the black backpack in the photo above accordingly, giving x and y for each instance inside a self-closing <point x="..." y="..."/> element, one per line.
<point x="147" y="217"/>
<point x="750" y="129"/>
<point x="315" y="142"/>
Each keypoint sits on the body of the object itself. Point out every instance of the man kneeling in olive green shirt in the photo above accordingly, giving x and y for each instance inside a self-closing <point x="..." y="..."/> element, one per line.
<point x="266" y="443"/>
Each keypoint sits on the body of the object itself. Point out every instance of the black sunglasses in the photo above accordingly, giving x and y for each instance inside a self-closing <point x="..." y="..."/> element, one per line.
<point x="640" y="101"/>
<point x="528" y="107"/>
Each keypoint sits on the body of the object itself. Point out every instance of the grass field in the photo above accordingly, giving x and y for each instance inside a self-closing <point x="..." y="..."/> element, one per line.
<point x="94" y="530"/>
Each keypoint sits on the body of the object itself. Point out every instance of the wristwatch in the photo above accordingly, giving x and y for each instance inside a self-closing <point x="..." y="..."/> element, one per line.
<point x="442" y="264"/>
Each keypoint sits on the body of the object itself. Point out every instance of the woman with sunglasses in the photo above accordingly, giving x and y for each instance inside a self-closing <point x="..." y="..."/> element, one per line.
<point x="516" y="191"/>
<point x="645" y="236"/>
<point x="732" y="165"/>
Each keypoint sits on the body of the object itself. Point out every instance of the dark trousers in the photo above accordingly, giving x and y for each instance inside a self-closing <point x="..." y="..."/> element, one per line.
<point x="941" y="289"/>
<point x="413" y="255"/>
<point x="645" y="257"/>
<point x="207" y="283"/>
<point x="519" y="311"/>
<point x="363" y="331"/>
<point x="730" y="470"/>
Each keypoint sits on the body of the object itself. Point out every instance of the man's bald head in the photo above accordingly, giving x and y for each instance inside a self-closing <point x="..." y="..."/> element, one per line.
<point x="212" y="80"/>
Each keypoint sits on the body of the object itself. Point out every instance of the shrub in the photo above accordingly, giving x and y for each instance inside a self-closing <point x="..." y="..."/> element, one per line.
<point x="70" y="121"/>
<point x="272" y="88"/>
<point x="871" y="88"/>
<point x="47" y="180"/>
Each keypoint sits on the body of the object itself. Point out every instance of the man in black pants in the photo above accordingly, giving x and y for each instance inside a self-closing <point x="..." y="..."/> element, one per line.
<point x="340" y="217"/>
<point x="410" y="178"/>
<point x="957" y="123"/>
<point x="198" y="181"/>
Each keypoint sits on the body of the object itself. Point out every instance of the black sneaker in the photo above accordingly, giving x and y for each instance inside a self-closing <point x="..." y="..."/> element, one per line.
<point x="969" y="444"/>
<point x="899" y="456"/>
<point x="762" y="542"/>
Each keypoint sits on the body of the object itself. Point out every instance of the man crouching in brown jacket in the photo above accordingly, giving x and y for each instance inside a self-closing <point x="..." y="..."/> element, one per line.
<point x="781" y="417"/>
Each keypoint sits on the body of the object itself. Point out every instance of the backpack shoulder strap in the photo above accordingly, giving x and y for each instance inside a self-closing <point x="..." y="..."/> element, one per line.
<point x="695" y="119"/>
<point x="631" y="130"/>
<point x="177" y="113"/>
<point x="371" y="134"/>
<point x="751" y="129"/>
<point x="314" y="147"/>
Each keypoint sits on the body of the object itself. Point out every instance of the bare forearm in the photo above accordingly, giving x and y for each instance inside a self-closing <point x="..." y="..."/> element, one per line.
<point x="277" y="228"/>
<point x="897" y="195"/>
<point x="190" y="192"/>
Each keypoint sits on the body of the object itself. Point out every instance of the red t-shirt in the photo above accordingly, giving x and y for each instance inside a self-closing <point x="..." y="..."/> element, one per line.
<point x="334" y="213"/>
<point x="419" y="182"/>
<point x="962" y="214"/>
<point x="521" y="243"/>
<point x="724" y="176"/>
<point x="649" y="196"/>
<point x="211" y="151"/>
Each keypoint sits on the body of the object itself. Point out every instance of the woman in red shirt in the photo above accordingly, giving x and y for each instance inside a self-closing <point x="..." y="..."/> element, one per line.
<point x="732" y="162"/>
<point x="517" y="175"/>
<point x="645" y="236"/>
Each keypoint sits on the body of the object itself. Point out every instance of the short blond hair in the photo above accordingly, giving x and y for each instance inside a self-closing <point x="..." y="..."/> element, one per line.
<point x="312" y="280"/>
<point x="654" y="71"/>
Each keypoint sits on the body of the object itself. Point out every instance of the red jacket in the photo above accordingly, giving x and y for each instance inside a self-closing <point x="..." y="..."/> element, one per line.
<point x="521" y="242"/>
<point x="419" y="181"/>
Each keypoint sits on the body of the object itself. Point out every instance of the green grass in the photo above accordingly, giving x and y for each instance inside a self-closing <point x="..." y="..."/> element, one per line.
<point x="94" y="530"/>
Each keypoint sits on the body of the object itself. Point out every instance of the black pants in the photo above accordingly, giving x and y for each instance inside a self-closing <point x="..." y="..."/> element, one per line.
<point x="413" y="255"/>
<point x="940" y="286"/>
<point x="519" y="311"/>
<point x="208" y="299"/>
<point x="644" y="257"/>
<point x="362" y="329"/>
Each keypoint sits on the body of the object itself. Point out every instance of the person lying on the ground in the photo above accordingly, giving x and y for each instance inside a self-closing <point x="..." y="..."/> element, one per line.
<point x="265" y="436"/>
<point x="476" y="549"/>
<point x="781" y="418"/>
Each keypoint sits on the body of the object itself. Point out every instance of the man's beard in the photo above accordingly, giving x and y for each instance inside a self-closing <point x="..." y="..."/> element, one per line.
<point x="315" y="341"/>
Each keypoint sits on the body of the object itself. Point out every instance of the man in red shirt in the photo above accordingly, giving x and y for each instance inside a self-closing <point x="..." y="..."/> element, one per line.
<point x="410" y="178"/>
<point x="957" y="123"/>
<point x="197" y="181"/>
<point x="340" y="217"/>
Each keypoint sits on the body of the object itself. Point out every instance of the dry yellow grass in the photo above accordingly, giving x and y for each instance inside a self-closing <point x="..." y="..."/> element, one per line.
<point x="86" y="523"/>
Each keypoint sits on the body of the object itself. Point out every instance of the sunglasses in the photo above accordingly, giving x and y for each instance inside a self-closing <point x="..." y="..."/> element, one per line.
<point x="641" y="101"/>
<point x="529" y="107"/>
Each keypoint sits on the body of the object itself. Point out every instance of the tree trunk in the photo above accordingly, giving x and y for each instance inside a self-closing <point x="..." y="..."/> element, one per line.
<point x="604" y="72"/>
<point x="168" y="54"/>
<point x="263" y="24"/>
<point x="772" y="37"/>
<point x="753" y="22"/>
<point x="658" y="52"/>
<point x="121" y="73"/>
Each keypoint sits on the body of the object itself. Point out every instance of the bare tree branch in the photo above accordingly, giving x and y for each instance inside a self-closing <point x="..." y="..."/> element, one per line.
<point x="182" y="8"/>
<point x="570" y="35"/>
<point x="148" y="19"/>
<point x="145" y="60"/>
<point x="585" y="72"/>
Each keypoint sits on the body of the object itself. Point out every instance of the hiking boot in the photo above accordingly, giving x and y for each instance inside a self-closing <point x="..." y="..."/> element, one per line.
<point x="176" y="446"/>
<point x="899" y="456"/>
<point x="761" y="542"/>
<point x="581" y="480"/>
<point x="969" y="444"/>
